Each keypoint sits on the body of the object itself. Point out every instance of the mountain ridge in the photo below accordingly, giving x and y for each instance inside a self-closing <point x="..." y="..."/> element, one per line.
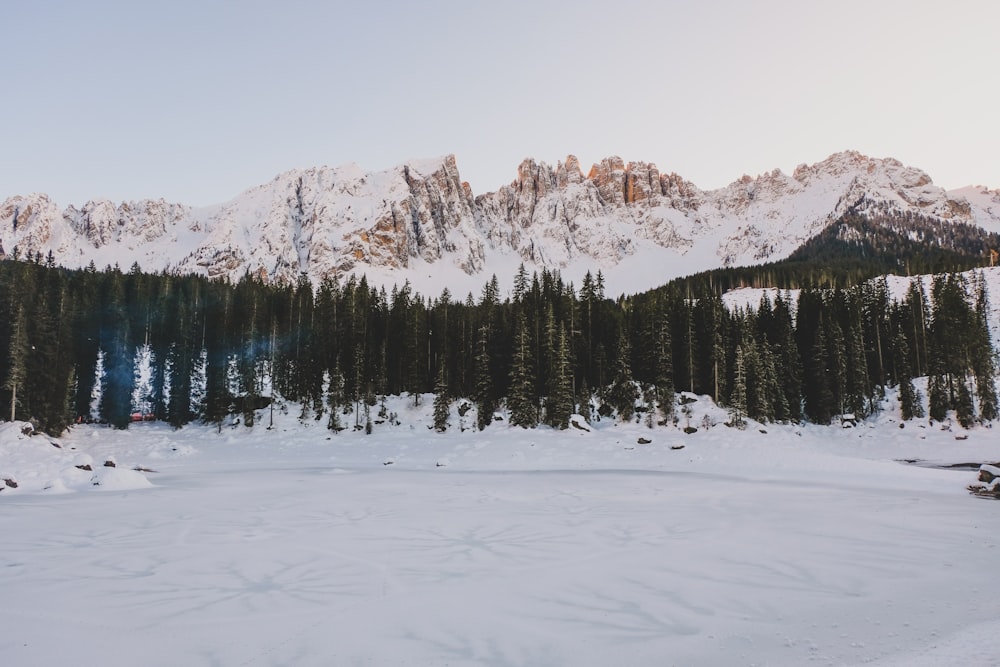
<point x="419" y="221"/>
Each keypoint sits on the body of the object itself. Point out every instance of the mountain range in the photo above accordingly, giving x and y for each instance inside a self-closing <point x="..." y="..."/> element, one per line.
<point x="420" y="222"/>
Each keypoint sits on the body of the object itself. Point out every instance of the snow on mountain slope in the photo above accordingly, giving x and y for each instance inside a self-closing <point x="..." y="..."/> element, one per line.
<point x="420" y="222"/>
<point x="984" y="205"/>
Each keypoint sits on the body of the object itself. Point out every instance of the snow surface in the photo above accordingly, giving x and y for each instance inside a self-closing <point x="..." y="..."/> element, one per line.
<point x="802" y="545"/>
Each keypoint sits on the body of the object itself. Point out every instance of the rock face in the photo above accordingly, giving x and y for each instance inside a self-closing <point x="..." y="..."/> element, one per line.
<point x="638" y="225"/>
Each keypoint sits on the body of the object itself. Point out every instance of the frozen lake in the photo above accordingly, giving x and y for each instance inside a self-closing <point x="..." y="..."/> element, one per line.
<point x="319" y="554"/>
<point x="805" y="545"/>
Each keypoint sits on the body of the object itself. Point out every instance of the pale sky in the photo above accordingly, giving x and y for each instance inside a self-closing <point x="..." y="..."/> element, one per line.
<point x="195" y="101"/>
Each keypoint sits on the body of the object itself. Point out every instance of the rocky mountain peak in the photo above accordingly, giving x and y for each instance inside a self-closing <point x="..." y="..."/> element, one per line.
<point x="636" y="224"/>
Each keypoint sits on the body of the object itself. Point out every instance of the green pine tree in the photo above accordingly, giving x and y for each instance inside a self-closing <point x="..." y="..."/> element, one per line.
<point x="521" y="398"/>
<point x="738" y="396"/>
<point x="983" y="366"/>
<point x="623" y="393"/>
<point x="483" y="396"/>
<point x="17" y="354"/>
<point x="335" y="398"/>
<point x="560" y="403"/>
<point x="964" y="410"/>
<point x="909" y="401"/>
<point x="441" y="399"/>
<point x="664" y="372"/>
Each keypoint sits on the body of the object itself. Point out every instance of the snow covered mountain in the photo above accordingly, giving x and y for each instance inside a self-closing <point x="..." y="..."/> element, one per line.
<point x="420" y="222"/>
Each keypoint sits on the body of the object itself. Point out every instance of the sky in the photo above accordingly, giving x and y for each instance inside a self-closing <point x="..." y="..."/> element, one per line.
<point x="196" y="101"/>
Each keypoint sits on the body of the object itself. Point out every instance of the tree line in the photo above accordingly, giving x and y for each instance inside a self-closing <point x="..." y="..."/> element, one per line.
<point x="115" y="346"/>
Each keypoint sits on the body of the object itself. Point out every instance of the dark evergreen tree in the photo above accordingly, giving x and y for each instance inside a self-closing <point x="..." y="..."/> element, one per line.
<point x="17" y="355"/>
<point x="909" y="400"/>
<point x="917" y="311"/>
<point x="622" y="394"/>
<point x="584" y="401"/>
<point x="738" y="397"/>
<point x="965" y="412"/>
<point x="484" y="397"/>
<point x="820" y="401"/>
<point x="836" y="362"/>
<point x="119" y="374"/>
<point x="857" y="392"/>
<point x="520" y="283"/>
<point x="218" y="401"/>
<point x="787" y="361"/>
<point x="248" y="313"/>
<point x="559" y="407"/>
<point x="521" y="400"/>
<point x="983" y="366"/>
<point x="181" y="364"/>
<point x="335" y="397"/>
<point x="441" y="399"/>
<point x="937" y="396"/>
<point x="664" y="372"/>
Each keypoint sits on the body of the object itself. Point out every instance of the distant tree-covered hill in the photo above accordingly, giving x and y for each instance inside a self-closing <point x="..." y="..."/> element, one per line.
<point x="861" y="246"/>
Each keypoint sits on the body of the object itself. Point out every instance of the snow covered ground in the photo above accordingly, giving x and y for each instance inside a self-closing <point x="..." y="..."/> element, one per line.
<point x="292" y="546"/>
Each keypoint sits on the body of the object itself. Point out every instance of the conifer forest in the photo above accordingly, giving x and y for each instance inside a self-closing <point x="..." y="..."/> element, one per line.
<point x="116" y="346"/>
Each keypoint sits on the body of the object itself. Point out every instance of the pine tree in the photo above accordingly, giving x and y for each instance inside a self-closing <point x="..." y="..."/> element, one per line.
<point x="357" y="385"/>
<point x="820" y="405"/>
<point x="916" y="306"/>
<point x="584" y="401"/>
<point x="755" y="395"/>
<point x="837" y="363"/>
<point x="217" y="326"/>
<point x="441" y="399"/>
<point x="738" y="397"/>
<point x="17" y="355"/>
<point x="199" y="384"/>
<point x="788" y="363"/>
<point x="413" y="351"/>
<point x="521" y="398"/>
<point x="710" y="315"/>
<point x="484" y="398"/>
<point x="181" y="364"/>
<point x="248" y="353"/>
<point x="937" y="396"/>
<point x="86" y="343"/>
<point x="909" y="401"/>
<point x="964" y="409"/>
<point x="335" y="397"/>
<point x="560" y="403"/>
<point x="776" y="401"/>
<point x="857" y="391"/>
<point x="664" y="371"/>
<point x="982" y="357"/>
<point x="116" y="385"/>
<point x="951" y="341"/>
<point x="50" y="364"/>
<point x="520" y="283"/>
<point x="623" y="393"/>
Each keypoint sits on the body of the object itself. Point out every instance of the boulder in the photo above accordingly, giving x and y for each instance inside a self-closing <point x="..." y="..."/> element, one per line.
<point x="988" y="473"/>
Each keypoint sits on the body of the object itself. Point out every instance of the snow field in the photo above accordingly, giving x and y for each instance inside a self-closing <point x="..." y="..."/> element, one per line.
<point x="802" y="545"/>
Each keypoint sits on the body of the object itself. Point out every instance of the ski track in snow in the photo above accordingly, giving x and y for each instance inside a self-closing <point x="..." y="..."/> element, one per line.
<point x="806" y="545"/>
